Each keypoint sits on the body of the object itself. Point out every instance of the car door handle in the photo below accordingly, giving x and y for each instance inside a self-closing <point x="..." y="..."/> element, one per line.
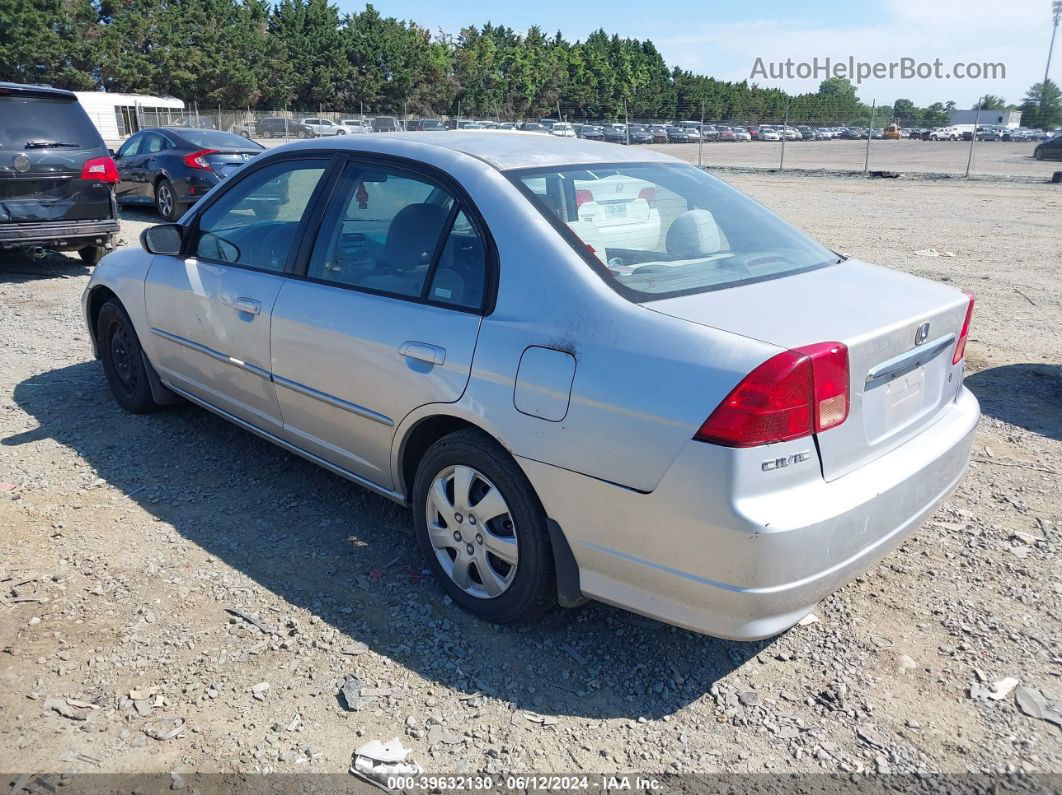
<point x="248" y="305"/>
<point x="422" y="351"/>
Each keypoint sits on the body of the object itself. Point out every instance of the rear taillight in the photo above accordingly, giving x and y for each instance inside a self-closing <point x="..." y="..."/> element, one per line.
<point x="582" y="197"/>
<point x="102" y="169"/>
<point x="793" y="394"/>
<point x="960" y="346"/>
<point x="649" y="195"/>
<point x="199" y="159"/>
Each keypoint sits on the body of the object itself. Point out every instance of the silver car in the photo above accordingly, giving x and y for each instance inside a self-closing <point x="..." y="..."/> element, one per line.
<point x="716" y="425"/>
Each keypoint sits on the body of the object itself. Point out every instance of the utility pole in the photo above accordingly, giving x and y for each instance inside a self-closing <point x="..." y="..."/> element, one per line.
<point x="1056" y="16"/>
<point x="785" y="129"/>
<point x="973" y="137"/>
<point x="870" y="128"/>
<point x="559" y="117"/>
<point x="700" y="138"/>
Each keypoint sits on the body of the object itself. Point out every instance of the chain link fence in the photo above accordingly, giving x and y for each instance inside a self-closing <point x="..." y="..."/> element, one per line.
<point x="876" y="141"/>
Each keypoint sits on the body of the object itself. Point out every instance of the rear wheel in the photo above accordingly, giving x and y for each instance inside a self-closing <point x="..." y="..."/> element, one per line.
<point x="166" y="200"/>
<point x="480" y="525"/>
<point x="91" y="255"/>
<point x="123" y="359"/>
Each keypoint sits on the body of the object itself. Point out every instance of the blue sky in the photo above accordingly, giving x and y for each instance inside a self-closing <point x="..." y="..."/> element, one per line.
<point x="724" y="39"/>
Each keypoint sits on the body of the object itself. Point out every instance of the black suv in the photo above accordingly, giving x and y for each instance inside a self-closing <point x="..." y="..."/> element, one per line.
<point x="56" y="175"/>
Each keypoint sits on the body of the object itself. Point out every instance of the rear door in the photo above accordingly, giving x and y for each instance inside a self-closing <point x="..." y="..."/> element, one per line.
<point x="209" y="312"/>
<point x="126" y="158"/>
<point x="45" y="140"/>
<point x="382" y="319"/>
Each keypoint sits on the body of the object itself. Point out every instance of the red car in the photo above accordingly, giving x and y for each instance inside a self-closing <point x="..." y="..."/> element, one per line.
<point x="726" y="134"/>
<point x="754" y="132"/>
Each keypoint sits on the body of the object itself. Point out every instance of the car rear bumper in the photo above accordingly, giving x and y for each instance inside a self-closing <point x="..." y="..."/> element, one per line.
<point x="692" y="554"/>
<point x="59" y="235"/>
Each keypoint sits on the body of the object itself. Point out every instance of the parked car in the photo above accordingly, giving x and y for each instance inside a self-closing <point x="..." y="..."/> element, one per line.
<point x="386" y="124"/>
<point x="357" y="125"/>
<point x="769" y="134"/>
<point x="779" y="415"/>
<point x="944" y="134"/>
<point x="639" y="134"/>
<point x="562" y="130"/>
<point x="427" y="125"/>
<point x="615" y="133"/>
<point x="56" y="175"/>
<point x="1049" y="150"/>
<point x="725" y="133"/>
<point x="592" y="132"/>
<point x="677" y="135"/>
<point x="324" y="127"/>
<point x="532" y="126"/>
<point x="754" y="132"/>
<point x="274" y="127"/>
<point x="659" y="132"/>
<point x="171" y="168"/>
<point x="741" y="134"/>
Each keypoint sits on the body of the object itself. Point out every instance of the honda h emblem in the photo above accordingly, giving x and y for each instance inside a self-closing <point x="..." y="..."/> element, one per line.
<point x="922" y="334"/>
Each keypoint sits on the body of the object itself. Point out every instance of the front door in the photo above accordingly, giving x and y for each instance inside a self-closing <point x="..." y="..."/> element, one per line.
<point x="209" y="313"/>
<point x="384" y="319"/>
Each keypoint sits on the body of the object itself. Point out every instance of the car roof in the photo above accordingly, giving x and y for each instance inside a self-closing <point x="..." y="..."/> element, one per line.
<point x="502" y="149"/>
<point x="35" y="90"/>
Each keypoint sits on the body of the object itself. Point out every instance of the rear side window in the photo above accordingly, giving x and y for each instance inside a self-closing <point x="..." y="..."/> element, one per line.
<point x="397" y="233"/>
<point x="660" y="229"/>
<point x="28" y="120"/>
<point x="216" y="139"/>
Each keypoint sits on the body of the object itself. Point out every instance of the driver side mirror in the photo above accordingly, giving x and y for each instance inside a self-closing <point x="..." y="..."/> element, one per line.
<point x="166" y="239"/>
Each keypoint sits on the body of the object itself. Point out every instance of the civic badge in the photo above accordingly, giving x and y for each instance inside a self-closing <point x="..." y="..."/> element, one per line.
<point x="22" y="163"/>
<point x="922" y="334"/>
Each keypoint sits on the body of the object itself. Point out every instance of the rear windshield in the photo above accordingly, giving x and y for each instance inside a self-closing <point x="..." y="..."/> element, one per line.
<point x="25" y="120"/>
<point x="215" y="139"/>
<point x="657" y="230"/>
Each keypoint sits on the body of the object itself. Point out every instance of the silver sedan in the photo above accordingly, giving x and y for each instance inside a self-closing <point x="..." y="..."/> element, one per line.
<point x="592" y="371"/>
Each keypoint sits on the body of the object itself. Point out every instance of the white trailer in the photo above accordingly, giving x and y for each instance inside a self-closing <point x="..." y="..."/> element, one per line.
<point x="117" y="116"/>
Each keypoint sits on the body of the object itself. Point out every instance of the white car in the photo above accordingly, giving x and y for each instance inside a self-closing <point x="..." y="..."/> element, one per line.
<point x="323" y="127"/>
<point x="944" y="134"/>
<point x="356" y="125"/>
<point x="562" y="130"/>
<point x="769" y="135"/>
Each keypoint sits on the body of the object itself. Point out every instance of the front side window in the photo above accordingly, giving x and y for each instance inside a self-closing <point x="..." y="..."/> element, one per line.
<point x="130" y="146"/>
<point x="662" y="229"/>
<point x="400" y="234"/>
<point x="254" y="223"/>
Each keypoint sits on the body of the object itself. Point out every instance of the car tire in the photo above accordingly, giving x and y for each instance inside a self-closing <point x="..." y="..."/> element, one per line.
<point x="166" y="201"/>
<point x="246" y="134"/>
<point x="123" y="359"/>
<point x="1039" y="155"/>
<point x="90" y="255"/>
<point x="458" y="545"/>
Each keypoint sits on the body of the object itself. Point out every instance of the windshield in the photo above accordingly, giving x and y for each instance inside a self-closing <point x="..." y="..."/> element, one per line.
<point x="660" y="229"/>
<point x="38" y="120"/>
<point x="213" y="139"/>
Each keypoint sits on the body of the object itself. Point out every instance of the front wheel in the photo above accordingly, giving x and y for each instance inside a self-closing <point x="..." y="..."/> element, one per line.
<point x="123" y="359"/>
<point x="479" y="523"/>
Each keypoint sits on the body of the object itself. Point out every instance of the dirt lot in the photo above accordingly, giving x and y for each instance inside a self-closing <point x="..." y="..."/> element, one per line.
<point x="126" y="538"/>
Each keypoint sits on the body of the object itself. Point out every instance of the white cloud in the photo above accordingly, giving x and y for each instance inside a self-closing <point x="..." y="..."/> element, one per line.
<point x="1013" y="32"/>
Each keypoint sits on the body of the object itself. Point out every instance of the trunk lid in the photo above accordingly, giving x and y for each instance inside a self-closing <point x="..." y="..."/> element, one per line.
<point x="228" y="161"/>
<point x="898" y="386"/>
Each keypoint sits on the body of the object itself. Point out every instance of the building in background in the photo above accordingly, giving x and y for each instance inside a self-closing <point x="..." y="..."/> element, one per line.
<point x="117" y="116"/>
<point x="1004" y="118"/>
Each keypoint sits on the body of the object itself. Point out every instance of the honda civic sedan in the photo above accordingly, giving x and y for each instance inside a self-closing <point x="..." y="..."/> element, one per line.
<point x="172" y="168"/>
<point x="716" y="425"/>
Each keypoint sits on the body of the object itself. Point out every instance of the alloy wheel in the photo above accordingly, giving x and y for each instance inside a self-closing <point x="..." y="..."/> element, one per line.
<point x="472" y="532"/>
<point x="165" y="200"/>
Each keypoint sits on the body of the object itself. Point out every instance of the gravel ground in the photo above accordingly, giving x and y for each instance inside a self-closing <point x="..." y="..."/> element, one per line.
<point x="171" y="576"/>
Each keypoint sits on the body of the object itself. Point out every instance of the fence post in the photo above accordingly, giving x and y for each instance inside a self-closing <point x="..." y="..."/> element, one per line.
<point x="626" y="123"/>
<point x="866" y="160"/>
<point x="700" y="139"/>
<point x="973" y="139"/>
<point x="785" y="127"/>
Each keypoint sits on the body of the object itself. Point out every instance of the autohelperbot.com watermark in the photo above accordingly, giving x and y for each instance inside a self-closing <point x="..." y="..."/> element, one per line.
<point x="858" y="71"/>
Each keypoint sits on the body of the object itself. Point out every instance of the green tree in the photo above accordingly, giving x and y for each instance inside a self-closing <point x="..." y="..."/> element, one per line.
<point x="48" y="41"/>
<point x="1042" y="106"/>
<point x="990" y="102"/>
